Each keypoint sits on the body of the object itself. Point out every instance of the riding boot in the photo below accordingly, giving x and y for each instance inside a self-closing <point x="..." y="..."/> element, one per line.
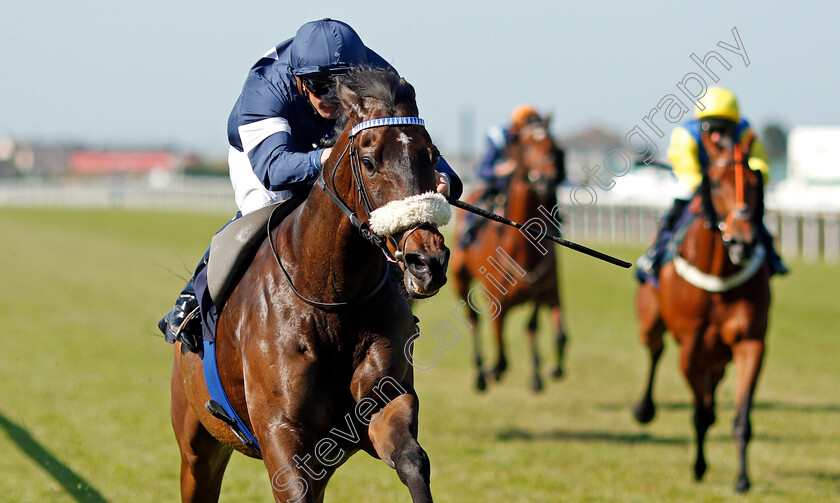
<point x="773" y="259"/>
<point x="648" y="264"/>
<point x="183" y="322"/>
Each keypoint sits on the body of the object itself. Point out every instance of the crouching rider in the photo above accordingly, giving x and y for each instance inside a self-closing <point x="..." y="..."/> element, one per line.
<point x="286" y="109"/>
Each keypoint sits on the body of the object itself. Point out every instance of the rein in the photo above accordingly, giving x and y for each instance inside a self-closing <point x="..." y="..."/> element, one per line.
<point x="363" y="227"/>
<point x="316" y="303"/>
<point x="740" y="164"/>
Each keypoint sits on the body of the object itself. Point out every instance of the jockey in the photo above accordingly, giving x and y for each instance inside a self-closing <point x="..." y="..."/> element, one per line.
<point x="275" y="128"/>
<point x="688" y="159"/>
<point x="494" y="169"/>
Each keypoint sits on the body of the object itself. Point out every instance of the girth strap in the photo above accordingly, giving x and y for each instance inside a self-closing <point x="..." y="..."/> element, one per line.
<point x="218" y="395"/>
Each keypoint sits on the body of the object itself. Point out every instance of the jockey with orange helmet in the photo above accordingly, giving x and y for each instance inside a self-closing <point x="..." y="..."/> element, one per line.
<point x="494" y="169"/>
<point x="689" y="159"/>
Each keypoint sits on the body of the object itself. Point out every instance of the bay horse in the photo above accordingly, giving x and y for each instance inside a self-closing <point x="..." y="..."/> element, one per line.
<point x="714" y="297"/>
<point x="310" y="344"/>
<point x="522" y="271"/>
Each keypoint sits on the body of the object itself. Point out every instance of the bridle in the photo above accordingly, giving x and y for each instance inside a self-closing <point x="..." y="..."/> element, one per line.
<point x="740" y="211"/>
<point x="362" y="226"/>
<point x="364" y="198"/>
<point x="531" y="176"/>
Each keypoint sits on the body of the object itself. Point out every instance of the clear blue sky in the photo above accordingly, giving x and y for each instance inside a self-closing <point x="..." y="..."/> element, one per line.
<point x="168" y="72"/>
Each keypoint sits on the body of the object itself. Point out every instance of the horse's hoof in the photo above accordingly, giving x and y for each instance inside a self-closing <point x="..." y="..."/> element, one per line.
<point x="557" y="373"/>
<point x="743" y="485"/>
<point x="536" y="384"/>
<point x="644" y="412"/>
<point x="699" y="469"/>
<point x="498" y="370"/>
<point x="481" y="383"/>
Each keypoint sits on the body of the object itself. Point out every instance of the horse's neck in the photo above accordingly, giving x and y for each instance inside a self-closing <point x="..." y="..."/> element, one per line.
<point x="522" y="205"/>
<point x="328" y="256"/>
<point x="522" y="202"/>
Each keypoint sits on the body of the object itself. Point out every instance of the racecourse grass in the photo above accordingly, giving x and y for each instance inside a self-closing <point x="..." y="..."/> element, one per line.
<point x="84" y="385"/>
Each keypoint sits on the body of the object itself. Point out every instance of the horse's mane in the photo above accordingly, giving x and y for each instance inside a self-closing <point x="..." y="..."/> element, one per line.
<point x="381" y="84"/>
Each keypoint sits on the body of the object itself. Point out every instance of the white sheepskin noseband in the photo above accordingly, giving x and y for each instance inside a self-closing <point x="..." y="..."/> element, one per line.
<point x="429" y="208"/>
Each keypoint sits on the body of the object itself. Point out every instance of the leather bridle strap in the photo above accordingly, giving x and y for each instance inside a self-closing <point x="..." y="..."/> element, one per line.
<point x="315" y="303"/>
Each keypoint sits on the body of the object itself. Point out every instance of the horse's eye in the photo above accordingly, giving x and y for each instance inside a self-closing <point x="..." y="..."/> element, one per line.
<point x="368" y="164"/>
<point x="434" y="156"/>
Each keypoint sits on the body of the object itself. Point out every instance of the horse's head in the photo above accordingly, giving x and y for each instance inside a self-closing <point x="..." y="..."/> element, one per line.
<point x="734" y="193"/>
<point x="538" y="160"/>
<point x="393" y="177"/>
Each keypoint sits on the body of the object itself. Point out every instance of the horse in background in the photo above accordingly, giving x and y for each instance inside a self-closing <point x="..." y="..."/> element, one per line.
<point x="714" y="296"/>
<point x="310" y="344"/>
<point x="511" y="266"/>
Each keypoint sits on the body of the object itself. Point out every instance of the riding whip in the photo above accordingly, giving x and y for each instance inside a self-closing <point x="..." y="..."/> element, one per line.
<point x="557" y="239"/>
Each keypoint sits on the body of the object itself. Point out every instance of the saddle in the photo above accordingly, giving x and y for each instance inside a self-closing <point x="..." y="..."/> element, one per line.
<point x="232" y="250"/>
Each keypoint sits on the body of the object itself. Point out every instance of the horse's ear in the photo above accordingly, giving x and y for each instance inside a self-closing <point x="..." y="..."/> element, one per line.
<point x="350" y="101"/>
<point x="747" y="142"/>
<point x="547" y="121"/>
<point x="407" y="96"/>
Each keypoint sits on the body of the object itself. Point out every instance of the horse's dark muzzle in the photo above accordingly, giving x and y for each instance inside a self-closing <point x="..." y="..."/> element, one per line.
<point x="425" y="272"/>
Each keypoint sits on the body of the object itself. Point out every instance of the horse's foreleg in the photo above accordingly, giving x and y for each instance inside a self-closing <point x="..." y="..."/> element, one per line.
<point x="461" y="283"/>
<point x="384" y="378"/>
<point x="393" y="432"/>
<point x="294" y="465"/>
<point x="702" y="384"/>
<point x="536" y="380"/>
<point x="748" y="356"/>
<point x="203" y="458"/>
<point x="501" y="356"/>
<point x="651" y="330"/>
<point x="480" y="381"/>
<point x="560" y="340"/>
<point x="645" y="410"/>
<point x="703" y="419"/>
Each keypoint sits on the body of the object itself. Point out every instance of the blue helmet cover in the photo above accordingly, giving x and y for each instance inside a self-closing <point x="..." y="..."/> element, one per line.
<point x="324" y="47"/>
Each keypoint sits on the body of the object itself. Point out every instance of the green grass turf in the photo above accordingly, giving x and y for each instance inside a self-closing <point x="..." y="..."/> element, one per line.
<point x="84" y="385"/>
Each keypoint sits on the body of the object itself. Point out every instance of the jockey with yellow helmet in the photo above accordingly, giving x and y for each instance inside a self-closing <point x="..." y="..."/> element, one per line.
<point x="689" y="158"/>
<point x="721" y="114"/>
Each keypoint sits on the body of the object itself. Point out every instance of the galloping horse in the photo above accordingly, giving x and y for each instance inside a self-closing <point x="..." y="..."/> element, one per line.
<point x="310" y="344"/>
<point x="714" y="296"/>
<point x="524" y="272"/>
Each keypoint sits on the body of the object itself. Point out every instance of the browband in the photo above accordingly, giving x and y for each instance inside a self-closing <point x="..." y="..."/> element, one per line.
<point x="387" y="121"/>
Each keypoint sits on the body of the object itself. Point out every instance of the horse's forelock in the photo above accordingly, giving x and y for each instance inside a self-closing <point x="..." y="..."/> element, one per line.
<point x="379" y="85"/>
<point x="365" y="88"/>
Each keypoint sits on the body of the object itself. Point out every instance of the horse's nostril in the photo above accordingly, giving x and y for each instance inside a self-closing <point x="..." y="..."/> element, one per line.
<point x="416" y="263"/>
